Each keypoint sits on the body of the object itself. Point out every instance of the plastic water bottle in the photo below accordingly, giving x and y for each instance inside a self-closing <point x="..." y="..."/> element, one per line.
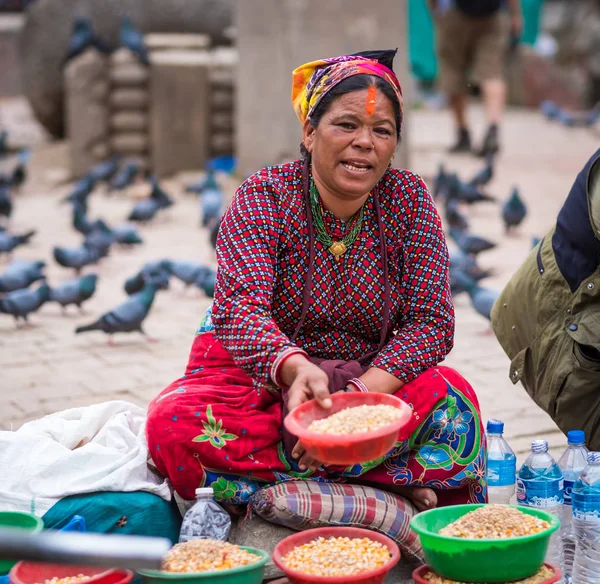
<point x="586" y="523"/>
<point x="501" y="465"/>
<point x="540" y="485"/>
<point x="206" y="519"/>
<point x="572" y="463"/>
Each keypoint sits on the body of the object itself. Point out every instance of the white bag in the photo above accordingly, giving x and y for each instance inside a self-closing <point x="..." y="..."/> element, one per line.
<point x="82" y="450"/>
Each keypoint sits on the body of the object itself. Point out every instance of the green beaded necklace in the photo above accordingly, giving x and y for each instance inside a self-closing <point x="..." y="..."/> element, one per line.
<point x="337" y="248"/>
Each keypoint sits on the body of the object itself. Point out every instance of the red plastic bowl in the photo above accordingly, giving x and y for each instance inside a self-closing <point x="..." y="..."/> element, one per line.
<point x="419" y="575"/>
<point x="34" y="573"/>
<point x="297" y="539"/>
<point x="348" y="448"/>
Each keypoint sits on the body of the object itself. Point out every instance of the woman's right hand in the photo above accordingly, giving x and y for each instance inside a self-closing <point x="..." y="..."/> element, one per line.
<point x="305" y="381"/>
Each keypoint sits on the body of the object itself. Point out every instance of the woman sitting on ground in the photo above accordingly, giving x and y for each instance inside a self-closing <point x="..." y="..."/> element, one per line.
<point x="332" y="275"/>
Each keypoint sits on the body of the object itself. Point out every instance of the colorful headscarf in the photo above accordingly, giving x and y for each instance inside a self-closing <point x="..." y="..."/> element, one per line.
<point x="313" y="80"/>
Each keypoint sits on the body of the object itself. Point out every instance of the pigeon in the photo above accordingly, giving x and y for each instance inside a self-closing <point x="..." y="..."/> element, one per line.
<point x="485" y="175"/>
<point x="9" y="242"/>
<point x="126" y="235"/>
<point x="106" y="170"/>
<point x="75" y="291"/>
<point x="454" y="217"/>
<point x="21" y="274"/>
<point x="440" y="183"/>
<point x="592" y="116"/>
<point x="465" y="193"/>
<point x="209" y="283"/>
<point x="549" y="109"/>
<point x="19" y="173"/>
<point x="189" y="272"/>
<point x="470" y="244"/>
<point x="211" y="203"/>
<point x="21" y="303"/>
<point x="460" y="282"/>
<point x="209" y="182"/>
<point x="125" y="177"/>
<point x="467" y="264"/>
<point x="80" y="221"/>
<point x="6" y="205"/>
<point x="81" y="191"/>
<point x="513" y="211"/>
<point x="83" y="38"/>
<point x="127" y="317"/>
<point x="214" y="232"/>
<point x="152" y="271"/>
<point x="100" y="238"/>
<point x="132" y="39"/>
<point x="159" y="194"/>
<point x="482" y="299"/>
<point x="77" y="257"/>
<point x="145" y="210"/>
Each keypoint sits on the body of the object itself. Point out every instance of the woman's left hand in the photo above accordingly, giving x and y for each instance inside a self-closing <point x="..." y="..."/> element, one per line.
<point x="306" y="461"/>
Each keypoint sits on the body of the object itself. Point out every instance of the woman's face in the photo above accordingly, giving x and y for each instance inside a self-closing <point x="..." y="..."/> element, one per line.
<point x="353" y="143"/>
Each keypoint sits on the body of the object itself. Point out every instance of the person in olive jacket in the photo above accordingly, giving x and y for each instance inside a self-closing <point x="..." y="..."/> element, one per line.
<point x="547" y="319"/>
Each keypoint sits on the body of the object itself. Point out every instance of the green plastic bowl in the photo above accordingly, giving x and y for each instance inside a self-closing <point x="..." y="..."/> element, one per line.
<point x="252" y="574"/>
<point x="18" y="520"/>
<point x="481" y="560"/>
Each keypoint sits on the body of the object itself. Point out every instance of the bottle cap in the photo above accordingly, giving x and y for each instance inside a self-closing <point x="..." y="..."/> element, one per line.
<point x="539" y="446"/>
<point x="204" y="491"/>
<point x="593" y="457"/>
<point x="495" y="427"/>
<point x="576" y="437"/>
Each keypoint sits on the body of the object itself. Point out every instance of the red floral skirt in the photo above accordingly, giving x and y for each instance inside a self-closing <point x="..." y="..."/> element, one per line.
<point x="213" y="427"/>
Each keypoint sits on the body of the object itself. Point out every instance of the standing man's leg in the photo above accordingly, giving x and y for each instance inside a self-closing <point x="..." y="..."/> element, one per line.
<point x="491" y="46"/>
<point x="453" y="39"/>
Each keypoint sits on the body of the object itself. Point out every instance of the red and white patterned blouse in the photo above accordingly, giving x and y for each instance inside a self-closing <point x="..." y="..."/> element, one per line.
<point x="262" y="253"/>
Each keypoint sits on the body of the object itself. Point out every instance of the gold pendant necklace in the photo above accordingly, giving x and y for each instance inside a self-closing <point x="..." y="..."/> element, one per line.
<point x="338" y="249"/>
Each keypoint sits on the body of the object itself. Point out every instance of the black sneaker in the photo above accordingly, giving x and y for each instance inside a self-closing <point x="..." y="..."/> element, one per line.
<point x="491" y="144"/>
<point x="463" y="143"/>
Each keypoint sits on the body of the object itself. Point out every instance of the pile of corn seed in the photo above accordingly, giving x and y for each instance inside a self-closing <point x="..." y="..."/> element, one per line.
<point x="67" y="580"/>
<point x="544" y="574"/>
<point x="337" y="556"/>
<point x="354" y="420"/>
<point x="202" y="555"/>
<point x="495" y="522"/>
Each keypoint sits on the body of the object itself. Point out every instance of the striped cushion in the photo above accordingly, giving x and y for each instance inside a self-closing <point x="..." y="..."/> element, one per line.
<point x="303" y="505"/>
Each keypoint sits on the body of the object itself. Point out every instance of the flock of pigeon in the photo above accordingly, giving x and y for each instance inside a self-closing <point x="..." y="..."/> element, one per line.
<point x="83" y="37"/>
<point x="99" y="239"/>
<point x="456" y="196"/>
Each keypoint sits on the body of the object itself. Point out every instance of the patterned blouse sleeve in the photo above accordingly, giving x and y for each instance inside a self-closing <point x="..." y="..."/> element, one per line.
<point x="425" y="331"/>
<point x="247" y="254"/>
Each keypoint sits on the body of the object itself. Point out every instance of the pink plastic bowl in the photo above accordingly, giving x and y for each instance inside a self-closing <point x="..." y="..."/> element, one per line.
<point x="348" y="448"/>
<point x="297" y="539"/>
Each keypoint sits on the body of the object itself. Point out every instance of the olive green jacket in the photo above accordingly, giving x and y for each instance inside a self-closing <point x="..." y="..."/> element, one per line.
<point x="547" y="319"/>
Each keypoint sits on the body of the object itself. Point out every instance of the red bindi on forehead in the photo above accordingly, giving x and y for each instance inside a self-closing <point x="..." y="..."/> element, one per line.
<point x="371" y="100"/>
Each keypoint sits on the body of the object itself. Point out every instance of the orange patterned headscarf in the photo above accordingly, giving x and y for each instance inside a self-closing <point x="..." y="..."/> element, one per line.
<point x="313" y="80"/>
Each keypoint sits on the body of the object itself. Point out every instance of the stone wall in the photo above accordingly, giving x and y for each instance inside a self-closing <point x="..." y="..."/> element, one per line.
<point x="297" y="31"/>
<point x="45" y="36"/>
<point x="170" y="116"/>
<point x="128" y="102"/>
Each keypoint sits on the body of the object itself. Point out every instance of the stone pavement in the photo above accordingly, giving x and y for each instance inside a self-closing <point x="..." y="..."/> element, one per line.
<point x="48" y="368"/>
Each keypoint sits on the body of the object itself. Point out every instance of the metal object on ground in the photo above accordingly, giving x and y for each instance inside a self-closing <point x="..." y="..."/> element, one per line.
<point x="115" y="551"/>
